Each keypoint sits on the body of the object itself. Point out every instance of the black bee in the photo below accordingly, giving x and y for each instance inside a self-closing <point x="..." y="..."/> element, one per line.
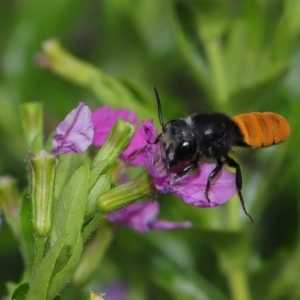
<point x="212" y="135"/>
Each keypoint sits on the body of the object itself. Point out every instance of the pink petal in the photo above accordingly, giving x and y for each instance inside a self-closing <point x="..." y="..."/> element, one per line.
<point x="137" y="215"/>
<point x="103" y="120"/>
<point x="166" y="225"/>
<point x="150" y="131"/>
<point x="142" y="217"/>
<point x="75" y="133"/>
<point x="142" y="137"/>
<point x="191" y="188"/>
<point x="137" y="142"/>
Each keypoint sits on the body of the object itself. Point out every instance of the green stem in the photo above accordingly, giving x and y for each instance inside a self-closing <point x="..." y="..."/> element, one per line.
<point x="40" y="242"/>
<point x="91" y="226"/>
<point x="238" y="284"/>
<point x="233" y="213"/>
<point x="93" y="253"/>
<point x="105" y="87"/>
<point x="214" y="55"/>
<point x="190" y="52"/>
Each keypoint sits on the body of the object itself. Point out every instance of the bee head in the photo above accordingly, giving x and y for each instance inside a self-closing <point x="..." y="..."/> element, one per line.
<point x="177" y="141"/>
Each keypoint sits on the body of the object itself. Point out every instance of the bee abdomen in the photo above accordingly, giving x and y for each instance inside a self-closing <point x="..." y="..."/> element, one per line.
<point x="262" y="129"/>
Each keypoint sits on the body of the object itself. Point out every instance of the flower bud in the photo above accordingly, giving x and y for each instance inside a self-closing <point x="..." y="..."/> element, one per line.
<point x="32" y="121"/>
<point x="118" y="139"/>
<point x="42" y="175"/>
<point x="124" y="194"/>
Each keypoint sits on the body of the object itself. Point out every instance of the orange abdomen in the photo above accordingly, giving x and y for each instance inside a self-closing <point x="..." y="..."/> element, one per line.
<point x="262" y="129"/>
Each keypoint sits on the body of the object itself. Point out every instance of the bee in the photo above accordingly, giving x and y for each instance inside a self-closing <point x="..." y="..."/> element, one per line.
<point x="212" y="135"/>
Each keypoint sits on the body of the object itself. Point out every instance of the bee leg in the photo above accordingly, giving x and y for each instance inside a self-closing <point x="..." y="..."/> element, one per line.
<point x="135" y="154"/>
<point x="192" y="165"/>
<point x="212" y="175"/>
<point x="168" y="163"/>
<point x="138" y="152"/>
<point x="239" y="182"/>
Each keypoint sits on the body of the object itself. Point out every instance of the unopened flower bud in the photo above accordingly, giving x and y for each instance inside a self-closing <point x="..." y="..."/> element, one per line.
<point x="118" y="139"/>
<point x="32" y="121"/>
<point x="124" y="194"/>
<point x="42" y="174"/>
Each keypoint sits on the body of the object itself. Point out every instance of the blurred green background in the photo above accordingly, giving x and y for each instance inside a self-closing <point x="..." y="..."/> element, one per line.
<point x="231" y="56"/>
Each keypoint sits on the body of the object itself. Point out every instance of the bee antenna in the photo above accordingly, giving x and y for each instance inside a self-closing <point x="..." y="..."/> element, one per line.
<point x="161" y="121"/>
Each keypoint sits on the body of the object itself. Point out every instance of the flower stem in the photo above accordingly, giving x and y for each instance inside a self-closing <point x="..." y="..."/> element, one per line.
<point x="58" y="60"/>
<point x="233" y="214"/>
<point x="214" y="55"/>
<point x="93" y="253"/>
<point x="40" y="242"/>
<point x="92" y="225"/>
<point x="238" y="284"/>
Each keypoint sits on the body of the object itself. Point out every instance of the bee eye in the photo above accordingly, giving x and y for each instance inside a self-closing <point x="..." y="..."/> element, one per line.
<point x="185" y="150"/>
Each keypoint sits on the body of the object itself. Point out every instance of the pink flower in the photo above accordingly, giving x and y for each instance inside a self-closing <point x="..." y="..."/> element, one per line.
<point x="142" y="217"/>
<point x="75" y="133"/>
<point x="103" y="120"/>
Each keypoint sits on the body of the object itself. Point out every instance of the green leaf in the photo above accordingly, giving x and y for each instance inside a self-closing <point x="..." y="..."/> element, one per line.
<point x="61" y="278"/>
<point x="71" y="206"/>
<point x="98" y="170"/>
<point x="211" y="16"/>
<point x="102" y="185"/>
<point x="257" y="97"/>
<point x="94" y="251"/>
<point x="66" y="167"/>
<point x="184" y="39"/>
<point x="234" y="55"/>
<point x="20" y="292"/>
<point x="204" y="23"/>
<point x="26" y="237"/>
<point x="43" y="272"/>
<point x="11" y="287"/>
<point x="287" y="31"/>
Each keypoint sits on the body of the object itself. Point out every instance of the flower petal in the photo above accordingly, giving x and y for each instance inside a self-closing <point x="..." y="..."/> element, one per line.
<point x="150" y="131"/>
<point x="103" y="120"/>
<point x="166" y="225"/>
<point x="138" y="215"/>
<point x="138" y="141"/>
<point x="116" y="290"/>
<point x="143" y="136"/>
<point x="141" y="216"/>
<point x="75" y="133"/>
<point x="191" y="188"/>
